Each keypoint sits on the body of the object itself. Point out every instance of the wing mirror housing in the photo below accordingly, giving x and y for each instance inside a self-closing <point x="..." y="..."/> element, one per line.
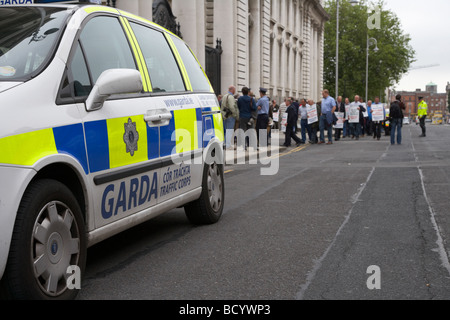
<point x="112" y="82"/>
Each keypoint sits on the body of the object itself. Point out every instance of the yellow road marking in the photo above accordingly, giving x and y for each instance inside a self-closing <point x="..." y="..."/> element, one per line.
<point x="295" y="150"/>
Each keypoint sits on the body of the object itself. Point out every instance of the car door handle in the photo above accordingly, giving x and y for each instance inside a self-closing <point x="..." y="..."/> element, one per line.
<point x="158" y="117"/>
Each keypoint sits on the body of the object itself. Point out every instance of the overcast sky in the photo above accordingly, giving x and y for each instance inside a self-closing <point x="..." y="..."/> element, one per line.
<point x="428" y="23"/>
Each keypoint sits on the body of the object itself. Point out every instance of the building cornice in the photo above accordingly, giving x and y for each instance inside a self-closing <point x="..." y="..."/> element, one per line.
<point x="315" y="4"/>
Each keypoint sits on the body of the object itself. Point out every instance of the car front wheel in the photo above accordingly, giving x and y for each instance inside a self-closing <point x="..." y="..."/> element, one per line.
<point x="48" y="244"/>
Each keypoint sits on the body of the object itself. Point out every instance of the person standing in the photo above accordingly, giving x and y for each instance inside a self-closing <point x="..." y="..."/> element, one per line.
<point x="290" y="128"/>
<point x="369" y="118"/>
<point x="230" y="114"/>
<point x="328" y="107"/>
<point x="346" y="123"/>
<point x="262" y="122"/>
<point x="340" y="108"/>
<point x="355" y="127"/>
<point x="246" y="106"/>
<point x="282" y="110"/>
<point x="377" y="125"/>
<point x="303" y="115"/>
<point x="362" y="118"/>
<point x="276" y="112"/>
<point x="314" y="125"/>
<point x="396" y="120"/>
<point x="423" y="113"/>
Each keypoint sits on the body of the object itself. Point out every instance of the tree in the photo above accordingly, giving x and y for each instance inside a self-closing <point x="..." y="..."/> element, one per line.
<point x="386" y="67"/>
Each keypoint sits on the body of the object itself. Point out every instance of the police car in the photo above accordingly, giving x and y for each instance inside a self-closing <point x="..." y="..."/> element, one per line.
<point x="106" y="121"/>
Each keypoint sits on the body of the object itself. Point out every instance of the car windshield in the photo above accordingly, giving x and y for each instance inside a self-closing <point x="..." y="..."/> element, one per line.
<point x="28" y="36"/>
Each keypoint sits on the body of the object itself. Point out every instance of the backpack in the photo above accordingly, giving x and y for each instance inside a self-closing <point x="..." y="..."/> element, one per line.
<point x="395" y="112"/>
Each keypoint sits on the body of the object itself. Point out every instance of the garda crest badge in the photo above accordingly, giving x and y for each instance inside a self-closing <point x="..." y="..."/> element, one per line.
<point x="131" y="137"/>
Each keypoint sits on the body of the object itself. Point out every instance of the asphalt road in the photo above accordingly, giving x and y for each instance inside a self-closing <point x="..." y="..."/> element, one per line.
<point x="356" y="220"/>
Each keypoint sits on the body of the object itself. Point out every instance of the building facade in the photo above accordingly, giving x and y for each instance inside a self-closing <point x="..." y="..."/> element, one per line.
<point x="276" y="44"/>
<point x="437" y="102"/>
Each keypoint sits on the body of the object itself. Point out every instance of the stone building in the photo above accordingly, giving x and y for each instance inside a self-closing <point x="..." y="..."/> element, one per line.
<point x="276" y="44"/>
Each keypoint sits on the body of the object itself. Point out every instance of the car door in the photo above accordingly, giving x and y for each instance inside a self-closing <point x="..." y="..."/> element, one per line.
<point x="122" y="145"/>
<point x="180" y="137"/>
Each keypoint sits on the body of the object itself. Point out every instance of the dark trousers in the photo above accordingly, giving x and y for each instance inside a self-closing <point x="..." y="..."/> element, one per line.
<point x="261" y="127"/>
<point x="355" y="129"/>
<point x="290" y="134"/>
<point x="422" y="125"/>
<point x="369" y="127"/>
<point x="305" y="128"/>
<point x="396" y="129"/>
<point x="244" y="126"/>
<point x="323" y="125"/>
<point x="337" y="134"/>
<point x="314" y="131"/>
<point x="376" y="127"/>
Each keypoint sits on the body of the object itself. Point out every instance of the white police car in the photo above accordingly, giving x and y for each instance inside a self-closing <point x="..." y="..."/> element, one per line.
<point x="106" y="120"/>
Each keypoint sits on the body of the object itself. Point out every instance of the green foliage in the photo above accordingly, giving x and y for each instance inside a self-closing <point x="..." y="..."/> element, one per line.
<point x="386" y="67"/>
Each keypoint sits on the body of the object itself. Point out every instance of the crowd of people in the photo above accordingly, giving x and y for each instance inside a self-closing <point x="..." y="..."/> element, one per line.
<point x="316" y="122"/>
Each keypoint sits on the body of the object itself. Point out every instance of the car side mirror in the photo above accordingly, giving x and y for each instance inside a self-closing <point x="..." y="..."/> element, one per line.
<point x="111" y="82"/>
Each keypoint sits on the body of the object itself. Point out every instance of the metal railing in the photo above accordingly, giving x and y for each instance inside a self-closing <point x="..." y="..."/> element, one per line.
<point x="111" y="3"/>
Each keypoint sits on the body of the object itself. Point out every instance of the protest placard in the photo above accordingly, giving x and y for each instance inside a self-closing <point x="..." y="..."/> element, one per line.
<point x="312" y="114"/>
<point x="378" y="112"/>
<point x="340" y="122"/>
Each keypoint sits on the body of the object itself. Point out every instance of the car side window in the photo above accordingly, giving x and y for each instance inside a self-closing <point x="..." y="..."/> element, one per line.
<point x="163" y="69"/>
<point x="81" y="81"/>
<point x="196" y="75"/>
<point x="105" y="46"/>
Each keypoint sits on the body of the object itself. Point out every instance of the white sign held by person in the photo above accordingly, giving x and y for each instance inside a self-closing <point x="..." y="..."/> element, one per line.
<point x="313" y="117"/>
<point x="377" y="112"/>
<point x="365" y="113"/>
<point x="340" y="122"/>
<point x="276" y="116"/>
<point x="284" y="122"/>
<point x="353" y="114"/>
<point x="347" y="111"/>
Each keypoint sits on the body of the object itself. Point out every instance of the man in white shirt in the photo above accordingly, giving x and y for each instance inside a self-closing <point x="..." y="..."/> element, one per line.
<point x="303" y="115"/>
<point x="355" y="127"/>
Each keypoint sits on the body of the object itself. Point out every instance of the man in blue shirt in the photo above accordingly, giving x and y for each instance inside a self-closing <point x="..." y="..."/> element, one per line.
<point x="326" y="119"/>
<point x="368" y="119"/>
<point x="262" y="122"/>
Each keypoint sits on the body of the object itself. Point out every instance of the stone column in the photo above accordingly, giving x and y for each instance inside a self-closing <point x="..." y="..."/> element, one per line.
<point x="226" y="11"/>
<point x="255" y="48"/>
<point x="191" y="16"/>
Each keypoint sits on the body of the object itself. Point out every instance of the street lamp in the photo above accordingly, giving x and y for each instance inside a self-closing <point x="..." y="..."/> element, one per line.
<point x="353" y="3"/>
<point x="370" y="42"/>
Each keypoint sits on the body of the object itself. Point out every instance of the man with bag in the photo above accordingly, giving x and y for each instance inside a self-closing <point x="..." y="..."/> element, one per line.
<point x="328" y="107"/>
<point x="230" y="114"/>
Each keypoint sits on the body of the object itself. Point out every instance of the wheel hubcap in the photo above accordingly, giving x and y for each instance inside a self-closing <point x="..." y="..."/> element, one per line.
<point x="214" y="187"/>
<point x="55" y="247"/>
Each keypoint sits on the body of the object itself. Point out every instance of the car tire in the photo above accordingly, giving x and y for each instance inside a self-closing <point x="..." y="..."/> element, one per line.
<point x="208" y="208"/>
<point x="49" y="237"/>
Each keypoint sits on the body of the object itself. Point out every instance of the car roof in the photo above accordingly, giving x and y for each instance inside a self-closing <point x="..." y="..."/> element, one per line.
<point x="78" y="5"/>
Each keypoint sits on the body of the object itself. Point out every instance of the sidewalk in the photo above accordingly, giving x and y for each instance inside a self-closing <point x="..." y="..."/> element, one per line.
<point x="239" y="156"/>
